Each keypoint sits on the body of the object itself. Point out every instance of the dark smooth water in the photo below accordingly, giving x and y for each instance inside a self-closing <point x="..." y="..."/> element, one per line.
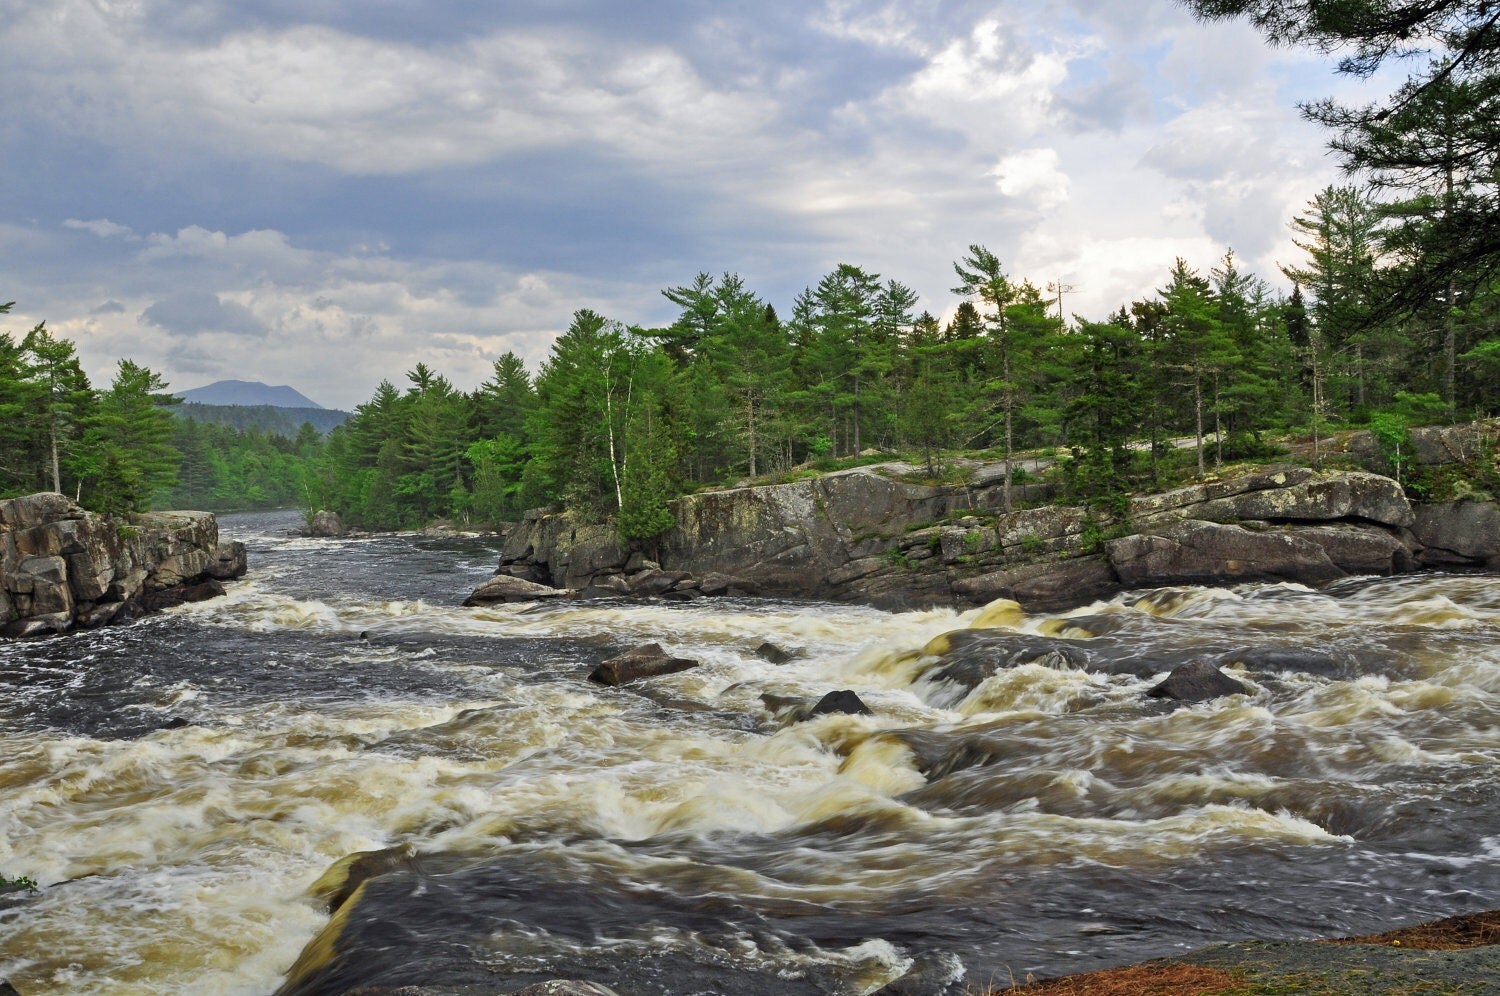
<point x="177" y="786"/>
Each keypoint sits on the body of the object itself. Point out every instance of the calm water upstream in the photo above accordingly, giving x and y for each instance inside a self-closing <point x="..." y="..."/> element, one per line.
<point x="177" y="785"/>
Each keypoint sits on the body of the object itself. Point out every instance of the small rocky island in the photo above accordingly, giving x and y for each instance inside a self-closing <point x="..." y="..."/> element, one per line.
<point x="62" y="567"/>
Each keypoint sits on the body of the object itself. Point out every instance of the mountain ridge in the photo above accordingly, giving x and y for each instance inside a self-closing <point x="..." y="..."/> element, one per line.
<point x="248" y="393"/>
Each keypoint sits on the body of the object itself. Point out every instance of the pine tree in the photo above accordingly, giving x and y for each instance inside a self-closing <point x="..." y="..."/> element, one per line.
<point x="129" y="442"/>
<point x="1194" y="345"/>
<point x="646" y="486"/>
<point x="63" y="396"/>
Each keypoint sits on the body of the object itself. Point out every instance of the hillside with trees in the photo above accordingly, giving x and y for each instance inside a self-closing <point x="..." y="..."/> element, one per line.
<point x="619" y="420"/>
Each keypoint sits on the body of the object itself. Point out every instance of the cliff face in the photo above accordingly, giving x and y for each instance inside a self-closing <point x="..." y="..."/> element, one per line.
<point x="62" y="567"/>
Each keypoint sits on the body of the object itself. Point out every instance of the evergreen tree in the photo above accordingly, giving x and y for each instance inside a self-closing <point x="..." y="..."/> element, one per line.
<point x="129" y="442"/>
<point x="63" y="397"/>
<point x="1017" y="340"/>
<point x="572" y="428"/>
<point x="646" y="484"/>
<point x="503" y="402"/>
<point x="1437" y="131"/>
<point x="1104" y="408"/>
<point x="1194" y="345"/>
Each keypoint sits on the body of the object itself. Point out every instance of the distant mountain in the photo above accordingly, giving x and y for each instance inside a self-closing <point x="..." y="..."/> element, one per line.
<point x="247" y="392"/>
<point x="267" y="418"/>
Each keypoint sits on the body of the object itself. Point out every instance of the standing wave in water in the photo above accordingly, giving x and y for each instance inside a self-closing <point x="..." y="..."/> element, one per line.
<point x="1014" y="805"/>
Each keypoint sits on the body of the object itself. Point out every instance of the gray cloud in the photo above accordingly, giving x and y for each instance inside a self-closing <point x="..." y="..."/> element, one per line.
<point x="342" y="184"/>
<point x="196" y="312"/>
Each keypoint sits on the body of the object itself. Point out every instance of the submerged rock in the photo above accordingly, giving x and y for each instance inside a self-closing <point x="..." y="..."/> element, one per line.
<point x="344" y="878"/>
<point x="646" y="661"/>
<point x="970" y="656"/>
<point x="773" y="654"/>
<point x="1197" y="681"/>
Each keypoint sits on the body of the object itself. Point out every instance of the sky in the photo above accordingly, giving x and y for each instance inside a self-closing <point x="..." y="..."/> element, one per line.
<point x="323" y="193"/>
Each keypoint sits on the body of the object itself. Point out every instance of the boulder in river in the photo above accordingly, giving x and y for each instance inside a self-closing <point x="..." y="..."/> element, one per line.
<point x="325" y="525"/>
<point x="344" y="878"/>
<point x="1459" y="533"/>
<point x="842" y="702"/>
<point x="1196" y="681"/>
<point x="773" y="654"/>
<point x="229" y="561"/>
<point x="504" y="588"/>
<point x="646" y="661"/>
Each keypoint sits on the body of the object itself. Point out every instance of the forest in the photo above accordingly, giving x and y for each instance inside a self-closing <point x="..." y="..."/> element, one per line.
<point x="1390" y="320"/>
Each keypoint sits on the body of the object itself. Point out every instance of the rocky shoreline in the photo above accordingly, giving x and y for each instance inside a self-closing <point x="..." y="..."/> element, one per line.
<point x="64" y="568"/>
<point x="872" y="535"/>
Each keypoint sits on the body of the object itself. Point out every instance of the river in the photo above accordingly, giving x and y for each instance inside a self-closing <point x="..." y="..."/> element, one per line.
<point x="176" y="786"/>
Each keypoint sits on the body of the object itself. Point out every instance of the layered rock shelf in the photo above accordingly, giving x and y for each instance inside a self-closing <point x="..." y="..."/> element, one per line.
<point x="62" y="567"/>
<point x="872" y="535"/>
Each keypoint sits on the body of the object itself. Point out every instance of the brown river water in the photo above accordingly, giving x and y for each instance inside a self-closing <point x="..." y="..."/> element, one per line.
<point x="1014" y="806"/>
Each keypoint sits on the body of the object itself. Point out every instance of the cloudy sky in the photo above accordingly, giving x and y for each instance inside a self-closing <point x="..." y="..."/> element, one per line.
<point x="323" y="192"/>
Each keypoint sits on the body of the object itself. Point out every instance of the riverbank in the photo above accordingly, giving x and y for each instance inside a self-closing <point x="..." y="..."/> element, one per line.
<point x="1455" y="956"/>
<point x="64" y="568"/>
<point x="879" y="535"/>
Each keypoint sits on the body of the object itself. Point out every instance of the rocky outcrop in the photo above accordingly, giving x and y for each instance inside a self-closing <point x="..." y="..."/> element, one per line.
<point x="873" y="535"/>
<point x="62" y="567"/>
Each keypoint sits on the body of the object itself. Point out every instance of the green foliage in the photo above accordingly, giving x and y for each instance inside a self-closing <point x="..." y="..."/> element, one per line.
<point x="19" y="883"/>
<point x="645" y="487"/>
<point x="896" y="558"/>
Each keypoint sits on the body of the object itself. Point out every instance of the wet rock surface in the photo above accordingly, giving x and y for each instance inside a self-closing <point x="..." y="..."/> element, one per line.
<point x="646" y="661"/>
<point x="843" y="702"/>
<point x="1197" y="681"/>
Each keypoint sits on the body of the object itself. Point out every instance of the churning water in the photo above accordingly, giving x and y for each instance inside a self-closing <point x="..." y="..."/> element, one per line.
<point x="1015" y="805"/>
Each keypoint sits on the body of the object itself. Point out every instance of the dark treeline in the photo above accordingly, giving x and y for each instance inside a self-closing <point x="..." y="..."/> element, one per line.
<point x="285" y="422"/>
<point x="619" y="420"/>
